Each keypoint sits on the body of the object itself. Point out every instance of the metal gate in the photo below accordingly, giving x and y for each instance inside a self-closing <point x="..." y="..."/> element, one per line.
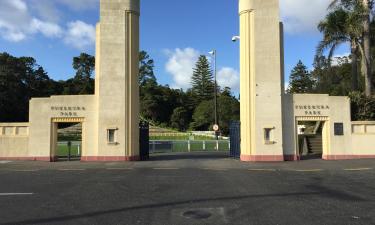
<point x="235" y="139"/>
<point x="144" y="139"/>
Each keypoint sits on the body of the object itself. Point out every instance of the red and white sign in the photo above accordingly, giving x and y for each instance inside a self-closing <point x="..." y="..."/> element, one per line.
<point x="216" y="127"/>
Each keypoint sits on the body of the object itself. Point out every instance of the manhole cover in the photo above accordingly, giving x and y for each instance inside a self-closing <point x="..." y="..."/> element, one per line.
<point x="197" y="214"/>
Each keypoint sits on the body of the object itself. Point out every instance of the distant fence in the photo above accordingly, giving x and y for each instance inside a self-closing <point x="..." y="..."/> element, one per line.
<point x="160" y="146"/>
<point x="188" y="146"/>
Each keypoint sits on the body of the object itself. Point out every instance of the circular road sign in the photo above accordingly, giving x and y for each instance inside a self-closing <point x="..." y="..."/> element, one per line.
<point x="216" y="127"/>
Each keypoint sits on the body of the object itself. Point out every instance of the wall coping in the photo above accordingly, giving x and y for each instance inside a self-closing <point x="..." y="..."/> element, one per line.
<point x="363" y="122"/>
<point x="15" y="124"/>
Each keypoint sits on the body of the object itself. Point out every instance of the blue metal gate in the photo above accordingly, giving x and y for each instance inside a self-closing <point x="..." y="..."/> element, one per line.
<point x="235" y="139"/>
<point x="144" y="138"/>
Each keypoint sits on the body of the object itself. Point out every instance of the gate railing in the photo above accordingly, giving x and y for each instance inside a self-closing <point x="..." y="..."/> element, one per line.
<point x="161" y="146"/>
<point x="235" y="139"/>
<point x="69" y="149"/>
<point x="144" y="138"/>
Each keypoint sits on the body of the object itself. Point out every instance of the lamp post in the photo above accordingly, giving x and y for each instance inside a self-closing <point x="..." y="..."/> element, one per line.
<point x="214" y="53"/>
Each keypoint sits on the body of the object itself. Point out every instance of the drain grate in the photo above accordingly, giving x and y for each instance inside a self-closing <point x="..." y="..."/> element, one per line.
<point x="197" y="214"/>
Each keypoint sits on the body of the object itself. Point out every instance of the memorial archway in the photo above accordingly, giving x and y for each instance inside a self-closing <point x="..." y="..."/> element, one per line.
<point x="261" y="66"/>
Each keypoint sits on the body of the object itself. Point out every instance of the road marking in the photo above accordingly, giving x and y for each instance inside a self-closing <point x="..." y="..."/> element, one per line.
<point x="311" y="170"/>
<point x="166" y="168"/>
<point x="13" y="194"/>
<point x="264" y="170"/>
<point x="4" y="162"/>
<point x="119" y="168"/>
<point x="71" y="169"/>
<point x="216" y="169"/>
<point x="31" y="170"/>
<point x="358" y="169"/>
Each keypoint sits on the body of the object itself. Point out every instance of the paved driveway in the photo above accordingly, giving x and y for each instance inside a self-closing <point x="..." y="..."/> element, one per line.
<point x="188" y="189"/>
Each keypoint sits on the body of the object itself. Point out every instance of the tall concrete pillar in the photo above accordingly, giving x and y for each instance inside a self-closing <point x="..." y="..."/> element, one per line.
<point x="117" y="88"/>
<point x="261" y="80"/>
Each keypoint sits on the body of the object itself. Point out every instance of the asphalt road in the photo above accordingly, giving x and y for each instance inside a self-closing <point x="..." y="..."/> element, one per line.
<point x="188" y="189"/>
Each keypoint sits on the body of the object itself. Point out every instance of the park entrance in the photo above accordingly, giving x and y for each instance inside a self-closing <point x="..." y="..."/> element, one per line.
<point x="157" y="143"/>
<point x="67" y="135"/>
<point x="313" y="137"/>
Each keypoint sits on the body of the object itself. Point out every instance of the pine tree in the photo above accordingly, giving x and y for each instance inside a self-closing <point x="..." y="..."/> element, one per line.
<point x="202" y="80"/>
<point x="301" y="80"/>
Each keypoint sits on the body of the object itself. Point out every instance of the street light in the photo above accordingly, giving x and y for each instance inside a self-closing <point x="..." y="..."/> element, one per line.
<point x="214" y="53"/>
<point x="236" y="38"/>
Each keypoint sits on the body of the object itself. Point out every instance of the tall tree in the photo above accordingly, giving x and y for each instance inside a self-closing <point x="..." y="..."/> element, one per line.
<point x="365" y="7"/>
<point x="202" y="80"/>
<point x="334" y="79"/>
<point x="84" y="65"/>
<point x="20" y="80"/>
<point x="339" y="27"/>
<point x="146" y="69"/>
<point x="301" y="80"/>
<point x="82" y="83"/>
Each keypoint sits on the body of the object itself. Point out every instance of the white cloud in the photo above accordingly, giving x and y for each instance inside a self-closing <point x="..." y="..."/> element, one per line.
<point x="180" y="65"/>
<point x="229" y="77"/>
<point x="301" y="16"/>
<point x="80" y="35"/>
<point x="19" y="21"/>
<point x="46" y="10"/>
<point x="14" y="20"/>
<point x="47" y="29"/>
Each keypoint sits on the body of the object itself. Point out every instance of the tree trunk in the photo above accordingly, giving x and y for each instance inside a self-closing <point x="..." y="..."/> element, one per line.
<point x="366" y="46"/>
<point x="354" y="66"/>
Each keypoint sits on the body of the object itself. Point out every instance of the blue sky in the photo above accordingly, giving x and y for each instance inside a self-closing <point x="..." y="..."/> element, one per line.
<point x="174" y="33"/>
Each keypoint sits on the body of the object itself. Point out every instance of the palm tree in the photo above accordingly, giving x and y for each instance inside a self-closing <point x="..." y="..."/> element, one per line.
<point x="341" y="27"/>
<point x="366" y="7"/>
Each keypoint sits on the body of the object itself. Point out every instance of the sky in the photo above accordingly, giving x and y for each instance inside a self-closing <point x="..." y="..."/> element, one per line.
<point x="173" y="32"/>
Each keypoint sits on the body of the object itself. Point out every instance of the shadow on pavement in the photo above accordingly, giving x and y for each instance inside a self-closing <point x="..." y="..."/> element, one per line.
<point x="320" y="193"/>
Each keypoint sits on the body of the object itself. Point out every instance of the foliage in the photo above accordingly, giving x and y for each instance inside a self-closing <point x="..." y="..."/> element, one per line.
<point x="228" y="110"/>
<point x="203" y="117"/>
<point x="202" y="80"/>
<point x="363" y="107"/>
<point x="20" y="80"/>
<point x="333" y="80"/>
<point x="359" y="12"/>
<point x="146" y="69"/>
<point x="82" y="83"/>
<point x="180" y="119"/>
<point x="343" y="26"/>
<point x="301" y="80"/>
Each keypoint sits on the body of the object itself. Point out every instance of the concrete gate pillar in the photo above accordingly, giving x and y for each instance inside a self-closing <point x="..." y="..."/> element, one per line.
<point x="116" y="87"/>
<point x="262" y="83"/>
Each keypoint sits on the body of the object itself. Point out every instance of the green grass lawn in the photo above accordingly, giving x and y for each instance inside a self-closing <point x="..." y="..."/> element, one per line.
<point x="62" y="151"/>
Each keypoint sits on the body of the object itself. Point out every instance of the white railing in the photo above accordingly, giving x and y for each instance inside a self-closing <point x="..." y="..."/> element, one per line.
<point x="188" y="146"/>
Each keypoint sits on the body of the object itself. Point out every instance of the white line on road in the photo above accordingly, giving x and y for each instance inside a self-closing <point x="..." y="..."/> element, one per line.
<point x="166" y="168"/>
<point x="311" y="170"/>
<point x="119" y="168"/>
<point x="13" y="194"/>
<point x="264" y="170"/>
<point x="216" y="169"/>
<point x="358" y="169"/>
<point x="71" y="169"/>
<point x="31" y="170"/>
